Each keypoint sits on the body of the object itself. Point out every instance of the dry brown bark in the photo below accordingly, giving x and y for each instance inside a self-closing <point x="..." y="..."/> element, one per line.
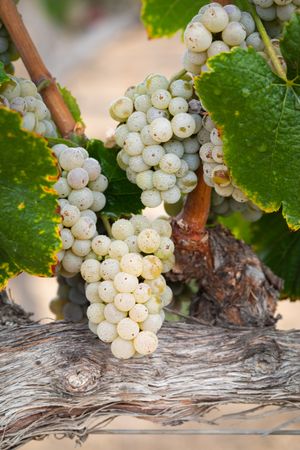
<point x="59" y="378"/>
<point x="235" y="287"/>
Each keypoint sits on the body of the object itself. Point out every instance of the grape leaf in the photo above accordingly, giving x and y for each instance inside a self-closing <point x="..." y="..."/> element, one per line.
<point x="122" y="197"/>
<point x="3" y="75"/>
<point x="259" y="116"/>
<point x="290" y="47"/>
<point x="29" y="238"/>
<point x="72" y="104"/>
<point x="162" y="18"/>
<point x="279" y="248"/>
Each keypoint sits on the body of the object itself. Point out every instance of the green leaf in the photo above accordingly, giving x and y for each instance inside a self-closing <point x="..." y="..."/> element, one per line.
<point x="3" y="75"/>
<point x="290" y="47"/>
<point x="29" y="238"/>
<point x="239" y="227"/>
<point x="259" y="116"/>
<point x="72" y="104"/>
<point x="165" y="17"/>
<point x="279" y="248"/>
<point x="122" y="197"/>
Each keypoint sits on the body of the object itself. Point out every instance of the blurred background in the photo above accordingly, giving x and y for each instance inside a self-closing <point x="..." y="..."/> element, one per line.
<point x="98" y="48"/>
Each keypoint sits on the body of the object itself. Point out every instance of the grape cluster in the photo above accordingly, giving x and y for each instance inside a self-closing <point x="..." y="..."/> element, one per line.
<point x="8" y="51"/>
<point x="70" y="303"/>
<point x="224" y="206"/>
<point x="80" y="189"/>
<point x="275" y="12"/>
<point x="158" y="138"/>
<point x="22" y="96"/>
<point x="217" y="29"/>
<point x="227" y="196"/>
<point x="125" y="285"/>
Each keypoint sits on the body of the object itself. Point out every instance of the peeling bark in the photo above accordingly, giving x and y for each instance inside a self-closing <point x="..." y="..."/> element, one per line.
<point x="59" y="378"/>
<point x="235" y="287"/>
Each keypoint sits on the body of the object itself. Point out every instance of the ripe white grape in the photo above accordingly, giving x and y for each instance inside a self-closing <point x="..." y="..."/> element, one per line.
<point x="124" y="301"/>
<point x="171" y="195"/>
<point x="174" y="146"/>
<point x="166" y="248"/>
<point x="217" y="154"/>
<point x="189" y="66"/>
<point x="107" y="332"/>
<point x="125" y="282"/>
<point x="100" y="184"/>
<point x="92" y="167"/>
<point x="215" y="19"/>
<point x="254" y="40"/>
<point x="67" y="238"/>
<point x="95" y="312"/>
<point x="183" y="125"/>
<point x="112" y="314"/>
<point x="192" y="160"/>
<point x="99" y="201"/>
<point x="70" y="215"/>
<point x="191" y="145"/>
<point x="133" y="144"/>
<point x="144" y="180"/>
<point x="157" y="285"/>
<point x="89" y="213"/>
<point x="71" y="263"/>
<point x="233" y="12"/>
<point x="154" y="113"/>
<point x="217" y="47"/>
<point x="131" y="241"/>
<point x="138" y="313"/>
<point x="93" y="327"/>
<point x="146" y="136"/>
<point x="248" y="22"/>
<point x="136" y="121"/>
<point x="122" y="228"/>
<point x="100" y="245"/>
<point x="121" y="108"/>
<point x="163" y="181"/>
<point x="148" y="240"/>
<point x="196" y="37"/>
<point x="239" y="196"/>
<point x="121" y="134"/>
<point x="170" y="163"/>
<point x="117" y="249"/>
<point x="78" y="178"/>
<point x="62" y="187"/>
<point x="139" y="223"/>
<point x="107" y="291"/>
<point x="166" y="296"/>
<point x="178" y="105"/>
<point x="90" y="270"/>
<point x="145" y="343"/>
<point x="84" y="228"/>
<point x="152" y="267"/>
<point x="142" y="103"/>
<point x="109" y="269"/>
<point x="152" y="154"/>
<point x="187" y="183"/>
<point x="181" y="88"/>
<point x="81" y="247"/>
<point x="82" y="198"/>
<point x="161" y="130"/>
<point x="161" y="98"/>
<point x="151" y="198"/>
<point x="163" y="227"/>
<point x="70" y="158"/>
<point x="137" y="164"/>
<point x="127" y="329"/>
<point x="215" y="137"/>
<point x="155" y="82"/>
<point x="152" y="323"/>
<point x="122" y="349"/>
<point x="91" y="292"/>
<point x="132" y="263"/>
<point x="142" y="293"/>
<point x="234" y="34"/>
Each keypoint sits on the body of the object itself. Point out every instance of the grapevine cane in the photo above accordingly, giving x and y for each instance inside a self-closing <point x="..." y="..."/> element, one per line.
<point x="37" y="69"/>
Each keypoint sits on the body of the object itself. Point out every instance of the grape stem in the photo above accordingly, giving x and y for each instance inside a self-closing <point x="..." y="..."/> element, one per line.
<point x="106" y="224"/>
<point x="197" y="205"/>
<point x="268" y="44"/>
<point x="178" y="75"/>
<point x="37" y="70"/>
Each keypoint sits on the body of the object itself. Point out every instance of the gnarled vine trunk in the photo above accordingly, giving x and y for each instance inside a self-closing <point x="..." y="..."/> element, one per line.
<point x="59" y="378"/>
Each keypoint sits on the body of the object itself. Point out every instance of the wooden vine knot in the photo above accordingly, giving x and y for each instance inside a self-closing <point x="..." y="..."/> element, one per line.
<point x="80" y="378"/>
<point x="263" y="355"/>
